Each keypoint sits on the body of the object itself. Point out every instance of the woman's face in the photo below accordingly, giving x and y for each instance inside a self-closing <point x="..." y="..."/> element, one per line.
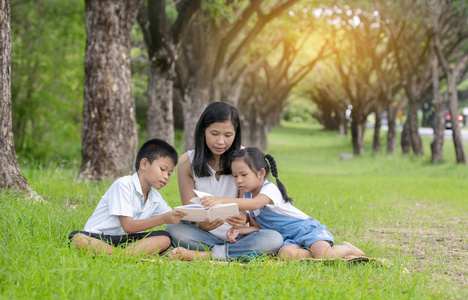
<point x="219" y="137"/>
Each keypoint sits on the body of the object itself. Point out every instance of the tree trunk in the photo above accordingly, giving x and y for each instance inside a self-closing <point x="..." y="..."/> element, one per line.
<point x="406" y="138"/>
<point x="378" y="124"/>
<point x="160" y="108"/>
<point x="439" y="128"/>
<point x="10" y="174"/>
<point x="391" y="133"/>
<point x="109" y="135"/>
<point x="357" y="134"/>
<point x="257" y="120"/>
<point x="253" y="130"/>
<point x="415" y="138"/>
<point x="155" y="26"/>
<point x="195" y="101"/>
<point x="437" y="143"/>
<point x="163" y="42"/>
<point x="460" y="151"/>
<point x="358" y="126"/>
<point x="342" y="123"/>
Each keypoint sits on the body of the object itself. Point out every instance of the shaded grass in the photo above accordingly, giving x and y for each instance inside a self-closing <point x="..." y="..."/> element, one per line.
<point x="403" y="209"/>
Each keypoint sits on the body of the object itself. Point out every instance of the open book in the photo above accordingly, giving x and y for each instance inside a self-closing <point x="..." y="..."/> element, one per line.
<point x="200" y="195"/>
<point x="197" y="213"/>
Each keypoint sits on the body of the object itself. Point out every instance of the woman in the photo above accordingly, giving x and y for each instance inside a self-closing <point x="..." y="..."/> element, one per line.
<point x="207" y="168"/>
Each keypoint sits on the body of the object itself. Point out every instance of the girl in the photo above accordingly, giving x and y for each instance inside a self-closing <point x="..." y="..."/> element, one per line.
<point x="206" y="168"/>
<point x="271" y="208"/>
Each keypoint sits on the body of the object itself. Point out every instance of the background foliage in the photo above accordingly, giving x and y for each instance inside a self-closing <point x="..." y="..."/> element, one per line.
<point x="48" y="46"/>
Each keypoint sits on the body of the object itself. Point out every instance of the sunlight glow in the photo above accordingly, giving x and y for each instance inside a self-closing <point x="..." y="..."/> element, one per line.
<point x="355" y="21"/>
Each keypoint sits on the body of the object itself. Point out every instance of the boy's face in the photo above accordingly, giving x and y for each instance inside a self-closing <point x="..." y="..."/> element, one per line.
<point x="157" y="173"/>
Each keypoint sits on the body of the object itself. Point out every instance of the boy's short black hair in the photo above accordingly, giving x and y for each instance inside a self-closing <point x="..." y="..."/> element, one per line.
<point x="154" y="149"/>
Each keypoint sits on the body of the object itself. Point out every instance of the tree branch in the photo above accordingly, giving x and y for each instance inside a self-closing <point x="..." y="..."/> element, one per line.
<point x="263" y="20"/>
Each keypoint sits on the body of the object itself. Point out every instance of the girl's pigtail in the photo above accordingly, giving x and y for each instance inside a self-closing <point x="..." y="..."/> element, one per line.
<point x="274" y="172"/>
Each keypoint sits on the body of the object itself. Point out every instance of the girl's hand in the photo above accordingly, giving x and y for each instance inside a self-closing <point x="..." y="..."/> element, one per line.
<point x="232" y="234"/>
<point x="209" y="201"/>
<point x="238" y="221"/>
<point x="207" y="225"/>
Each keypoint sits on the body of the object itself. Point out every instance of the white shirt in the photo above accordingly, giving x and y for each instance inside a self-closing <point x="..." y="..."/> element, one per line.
<point x="279" y="206"/>
<point x="124" y="198"/>
<point x="224" y="187"/>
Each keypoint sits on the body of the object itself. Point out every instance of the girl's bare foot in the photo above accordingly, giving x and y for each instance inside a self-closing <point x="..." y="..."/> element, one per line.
<point x="355" y="251"/>
<point x="184" y="254"/>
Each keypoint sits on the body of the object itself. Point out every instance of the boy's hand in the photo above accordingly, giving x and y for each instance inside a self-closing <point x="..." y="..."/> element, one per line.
<point x="238" y="221"/>
<point x="232" y="234"/>
<point x="173" y="217"/>
<point x="209" y="201"/>
<point x="207" y="225"/>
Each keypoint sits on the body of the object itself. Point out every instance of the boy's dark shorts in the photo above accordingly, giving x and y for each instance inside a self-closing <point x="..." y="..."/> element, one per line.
<point x="116" y="240"/>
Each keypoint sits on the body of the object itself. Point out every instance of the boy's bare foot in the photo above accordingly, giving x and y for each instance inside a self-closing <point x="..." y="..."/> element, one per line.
<point x="356" y="252"/>
<point x="185" y="254"/>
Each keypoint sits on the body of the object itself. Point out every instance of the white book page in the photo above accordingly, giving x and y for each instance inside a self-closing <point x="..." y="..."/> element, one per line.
<point x="223" y="211"/>
<point x="200" y="194"/>
<point x="195" y="200"/>
<point x="195" y="213"/>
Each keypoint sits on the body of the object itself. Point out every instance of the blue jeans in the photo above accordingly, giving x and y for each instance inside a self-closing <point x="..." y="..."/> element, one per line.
<point x="187" y="235"/>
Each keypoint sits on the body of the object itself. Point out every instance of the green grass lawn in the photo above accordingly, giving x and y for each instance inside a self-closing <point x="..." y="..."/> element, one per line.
<point x="399" y="208"/>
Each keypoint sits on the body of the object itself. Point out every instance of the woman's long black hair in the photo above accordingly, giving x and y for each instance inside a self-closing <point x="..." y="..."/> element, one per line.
<point x="256" y="160"/>
<point x="215" y="112"/>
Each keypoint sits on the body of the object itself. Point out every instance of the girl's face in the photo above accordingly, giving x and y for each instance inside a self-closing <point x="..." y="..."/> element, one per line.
<point x="219" y="137"/>
<point x="247" y="180"/>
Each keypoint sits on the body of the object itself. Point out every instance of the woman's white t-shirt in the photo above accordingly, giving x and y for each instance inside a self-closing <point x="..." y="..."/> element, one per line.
<point x="224" y="187"/>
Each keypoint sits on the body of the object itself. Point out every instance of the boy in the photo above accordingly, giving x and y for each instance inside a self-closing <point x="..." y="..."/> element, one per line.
<point x="131" y="206"/>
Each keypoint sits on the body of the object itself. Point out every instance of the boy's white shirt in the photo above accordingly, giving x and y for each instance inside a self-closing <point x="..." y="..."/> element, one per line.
<point x="124" y="198"/>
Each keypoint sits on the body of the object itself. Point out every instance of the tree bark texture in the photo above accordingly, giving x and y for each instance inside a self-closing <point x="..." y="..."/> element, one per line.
<point x="10" y="174"/>
<point x="460" y="152"/>
<point x="454" y="75"/>
<point x="253" y="129"/>
<point x="357" y="136"/>
<point x="414" y="100"/>
<point x="194" y="71"/>
<point x="160" y="112"/>
<point x="450" y="35"/>
<point x="405" y="141"/>
<point x="163" y="42"/>
<point x="394" y="112"/>
<point x="358" y="127"/>
<point x="439" y="120"/>
<point x="109" y="134"/>
<point x="437" y="144"/>
<point x="376" y="146"/>
<point x="391" y="132"/>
